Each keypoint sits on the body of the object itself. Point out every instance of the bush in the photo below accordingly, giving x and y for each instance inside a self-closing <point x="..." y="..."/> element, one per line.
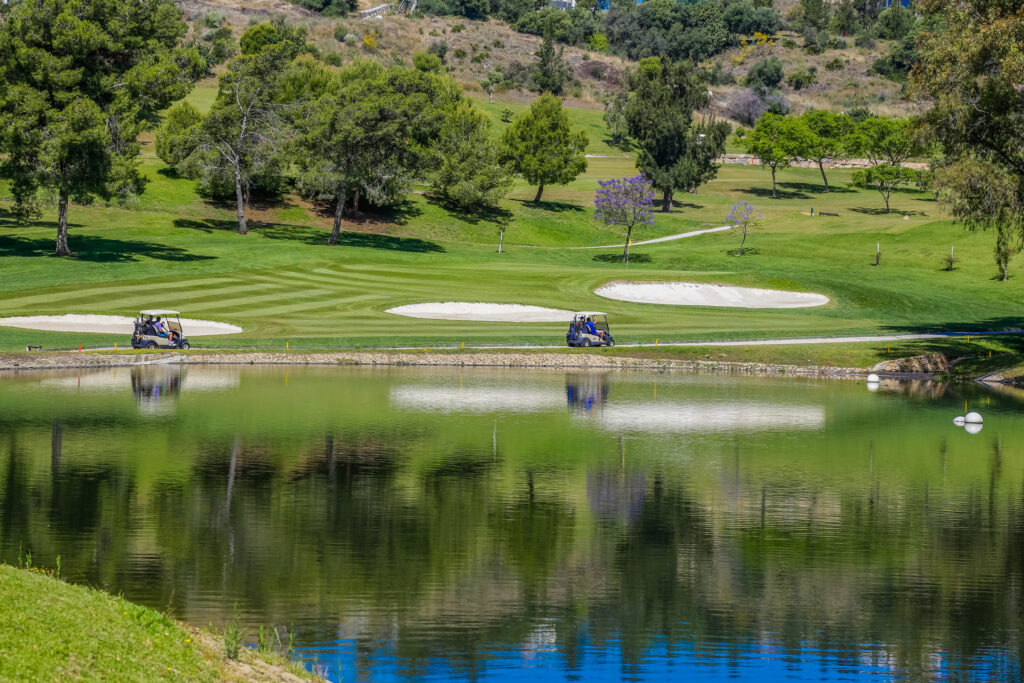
<point x="497" y="43"/>
<point x="460" y="54"/>
<point x="370" y="40"/>
<point x="894" y="23"/>
<point x="799" y="80"/>
<point x="439" y="48"/>
<point x="788" y="43"/>
<point x="745" y="19"/>
<point x="479" y="58"/>
<point x="506" y="115"/>
<point x="333" y="59"/>
<point x="748" y="105"/>
<point x="835" y="64"/>
<point x="864" y="40"/>
<point x="340" y="31"/>
<point x="458" y="28"/>
<point x="765" y="75"/>
<point x="426" y="62"/>
<point x="598" y="42"/>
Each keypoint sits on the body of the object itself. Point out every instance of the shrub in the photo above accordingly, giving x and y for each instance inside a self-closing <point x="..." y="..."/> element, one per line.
<point x="765" y="75"/>
<point x="497" y="43"/>
<point x="598" y="42"/>
<point x="340" y="32"/>
<point x="426" y="62"/>
<point x="864" y="40"/>
<point x="333" y="59"/>
<point x="479" y="58"/>
<point x="894" y="23"/>
<point x="460" y="54"/>
<point x="506" y="115"/>
<point x="458" y="28"/>
<point x="439" y="48"/>
<point x="370" y="40"/>
<point x="788" y="43"/>
<point x="799" y="80"/>
<point x="835" y="64"/>
<point x="748" y="105"/>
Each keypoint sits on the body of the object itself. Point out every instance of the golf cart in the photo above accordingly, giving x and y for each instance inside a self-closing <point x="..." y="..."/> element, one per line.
<point x="583" y="327"/>
<point x="148" y="336"/>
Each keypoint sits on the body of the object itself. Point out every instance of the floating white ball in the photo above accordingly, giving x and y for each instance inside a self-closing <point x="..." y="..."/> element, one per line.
<point x="973" y="427"/>
<point x="973" y="418"/>
<point x="959" y="421"/>
<point x="872" y="386"/>
<point x="873" y="378"/>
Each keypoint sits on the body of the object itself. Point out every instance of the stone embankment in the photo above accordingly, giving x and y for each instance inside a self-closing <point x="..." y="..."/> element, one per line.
<point x="511" y="359"/>
<point x="751" y="160"/>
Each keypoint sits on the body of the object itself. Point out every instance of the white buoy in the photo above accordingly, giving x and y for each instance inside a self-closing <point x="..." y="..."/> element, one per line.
<point x="873" y="378"/>
<point x="959" y="421"/>
<point x="973" y="427"/>
<point x="872" y="386"/>
<point x="973" y="418"/>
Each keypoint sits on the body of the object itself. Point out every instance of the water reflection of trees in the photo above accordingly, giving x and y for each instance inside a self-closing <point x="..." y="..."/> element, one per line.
<point x="448" y="557"/>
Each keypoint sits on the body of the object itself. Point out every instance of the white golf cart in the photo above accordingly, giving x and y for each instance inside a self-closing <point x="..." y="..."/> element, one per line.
<point x="589" y="329"/>
<point x="159" y="330"/>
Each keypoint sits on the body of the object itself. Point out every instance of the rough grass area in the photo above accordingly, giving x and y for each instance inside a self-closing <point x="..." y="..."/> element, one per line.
<point x="56" y="631"/>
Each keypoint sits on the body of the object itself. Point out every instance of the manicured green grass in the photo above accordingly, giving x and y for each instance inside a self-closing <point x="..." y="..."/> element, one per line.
<point x="282" y="283"/>
<point x="56" y="631"/>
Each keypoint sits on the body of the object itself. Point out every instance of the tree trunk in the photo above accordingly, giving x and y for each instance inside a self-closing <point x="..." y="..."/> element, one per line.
<point x="774" y="193"/>
<point x="355" y="204"/>
<point x="739" y="252"/>
<point x="821" y="167"/>
<point x="243" y="229"/>
<point x="338" y="209"/>
<point x="501" y="237"/>
<point x="1006" y="271"/>
<point x="540" y="191"/>
<point x="62" y="225"/>
<point x="490" y="96"/>
<point x="625" y="252"/>
<point x="666" y="201"/>
<point x="886" y="197"/>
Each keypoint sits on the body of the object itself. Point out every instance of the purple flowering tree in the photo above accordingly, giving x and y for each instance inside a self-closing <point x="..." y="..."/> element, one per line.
<point x="626" y="203"/>
<point x="744" y="219"/>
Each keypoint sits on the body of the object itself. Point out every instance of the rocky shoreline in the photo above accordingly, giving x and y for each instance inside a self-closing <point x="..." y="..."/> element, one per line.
<point x="73" y="360"/>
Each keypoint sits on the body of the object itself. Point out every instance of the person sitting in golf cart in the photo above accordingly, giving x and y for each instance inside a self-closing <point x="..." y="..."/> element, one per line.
<point x="592" y="329"/>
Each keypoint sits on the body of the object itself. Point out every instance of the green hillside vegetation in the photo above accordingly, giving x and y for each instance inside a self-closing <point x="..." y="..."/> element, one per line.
<point x="74" y="631"/>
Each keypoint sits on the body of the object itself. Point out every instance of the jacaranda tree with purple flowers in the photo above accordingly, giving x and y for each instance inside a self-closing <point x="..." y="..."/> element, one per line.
<point x="626" y="203"/>
<point x="744" y="219"/>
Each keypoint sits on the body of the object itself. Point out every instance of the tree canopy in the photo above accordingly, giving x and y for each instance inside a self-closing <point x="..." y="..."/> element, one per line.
<point x="78" y="82"/>
<point x="541" y="146"/>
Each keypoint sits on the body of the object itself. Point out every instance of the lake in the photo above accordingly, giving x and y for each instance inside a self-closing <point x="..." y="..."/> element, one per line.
<point x="444" y="524"/>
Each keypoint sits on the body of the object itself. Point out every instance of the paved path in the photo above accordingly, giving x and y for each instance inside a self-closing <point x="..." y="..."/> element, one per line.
<point x="787" y="341"/>
<point x="680" y="236"/>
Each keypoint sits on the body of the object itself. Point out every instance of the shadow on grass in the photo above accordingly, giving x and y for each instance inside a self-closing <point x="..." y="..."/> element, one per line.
<point x="555" y="207"/>
<point x="318" y="238"/>
<point x="617" y="258"/>
<point x="624" y="146"/>
<point x="98" y="249"/>
<point x="487" y="214"/>
<point x="399" y="213"/>
<point x="208" y="225"/>
<point x="893" y="212"/>
<point x="676" y="204"/>
<point x="766" y="193"/>
<point x="1001" y="324"/>
<point x="747" y="251"/>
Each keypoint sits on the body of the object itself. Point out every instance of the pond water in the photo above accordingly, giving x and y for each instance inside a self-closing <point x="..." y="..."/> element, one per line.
<point x="492" y="524"/>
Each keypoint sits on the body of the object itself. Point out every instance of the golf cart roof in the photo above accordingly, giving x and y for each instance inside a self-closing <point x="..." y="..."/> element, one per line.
<point x="588" y="313"/>
<point x="159" y="312"/>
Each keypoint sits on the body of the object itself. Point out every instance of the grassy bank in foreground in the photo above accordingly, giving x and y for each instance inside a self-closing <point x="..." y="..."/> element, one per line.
<point x="56" y="631"/>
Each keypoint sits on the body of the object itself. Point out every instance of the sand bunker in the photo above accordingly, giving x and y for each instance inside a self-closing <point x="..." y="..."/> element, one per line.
<point x="702" y="294"/>
<point x="458" y="310"/>
<point x="109" y="324"/>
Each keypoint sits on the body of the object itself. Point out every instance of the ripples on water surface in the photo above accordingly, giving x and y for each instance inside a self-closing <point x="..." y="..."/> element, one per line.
<point x="509" y="524"/>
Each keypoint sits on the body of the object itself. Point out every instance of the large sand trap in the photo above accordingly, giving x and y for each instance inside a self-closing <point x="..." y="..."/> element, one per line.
<point x="109" y="324"/>
<point x="702" y="294"/>
<point x="459" y="310"/>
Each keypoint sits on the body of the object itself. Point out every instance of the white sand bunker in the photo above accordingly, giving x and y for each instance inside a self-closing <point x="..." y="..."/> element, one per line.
<point x="109" y="324"/>
<point x="459" y="310"/>
<point x="702" y="294"/>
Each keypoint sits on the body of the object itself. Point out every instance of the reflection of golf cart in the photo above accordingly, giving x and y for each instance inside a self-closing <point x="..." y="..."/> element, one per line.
<point x="147" y="336"/>
<point x="582" y="330"/>
<point x="586" y="390"/>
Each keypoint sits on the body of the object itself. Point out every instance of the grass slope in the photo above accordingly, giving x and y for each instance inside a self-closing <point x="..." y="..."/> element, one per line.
<point x="282" y="283"/>
<point x="56" y="631"/>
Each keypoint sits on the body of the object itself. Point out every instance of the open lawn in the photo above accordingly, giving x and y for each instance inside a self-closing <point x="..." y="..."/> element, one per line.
<point x="282" y="283"/>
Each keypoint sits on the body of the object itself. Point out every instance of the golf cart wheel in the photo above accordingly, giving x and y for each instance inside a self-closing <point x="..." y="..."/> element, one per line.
<point x="185" y="346"/>
<point x="585" y="343"/>
<point x="150" y="345"/>
<point x="610" y="342"/>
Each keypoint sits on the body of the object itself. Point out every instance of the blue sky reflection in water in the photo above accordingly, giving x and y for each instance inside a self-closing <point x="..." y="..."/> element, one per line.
<point x="490" y="524"/>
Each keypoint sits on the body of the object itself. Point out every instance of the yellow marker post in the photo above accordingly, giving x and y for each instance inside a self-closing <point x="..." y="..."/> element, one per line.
<point x="287" y="345"/>
<point x="968" y="339"/>
<point x="115" y="348"/>
<point x="655" y="342"/>
<point x="463" y="346"/>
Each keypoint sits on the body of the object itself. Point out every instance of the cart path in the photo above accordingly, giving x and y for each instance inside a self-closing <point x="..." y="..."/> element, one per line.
<point x="669" y="238"/>
<point x="784" y="341"/>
